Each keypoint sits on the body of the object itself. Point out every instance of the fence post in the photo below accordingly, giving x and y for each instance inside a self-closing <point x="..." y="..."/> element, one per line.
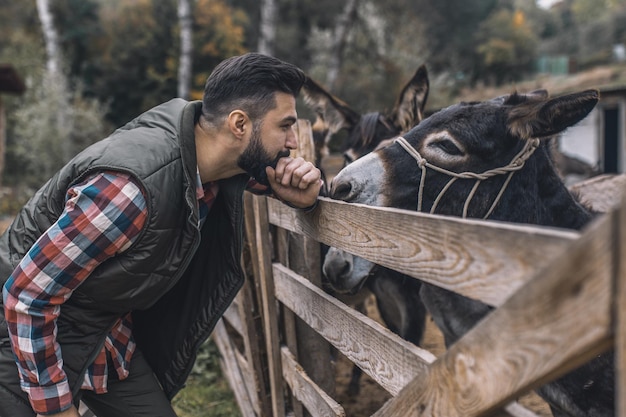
<point x="270" y="317"/>
<point x="620" y="307"/>
<point x="304" y="259"/>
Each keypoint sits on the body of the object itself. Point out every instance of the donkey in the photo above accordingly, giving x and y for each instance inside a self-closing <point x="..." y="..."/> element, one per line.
<point x="397" y="296"/>
<point x="364" y="131"/>
<point x="490" y="160"/>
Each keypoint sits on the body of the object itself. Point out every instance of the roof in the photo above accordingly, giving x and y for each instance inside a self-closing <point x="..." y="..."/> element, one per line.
<point x="10" y="81"/>
<point x="609" y="80"/>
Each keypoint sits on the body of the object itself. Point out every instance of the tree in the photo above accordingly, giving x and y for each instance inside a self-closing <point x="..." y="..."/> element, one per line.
<point x="267" y="32"/>
<point x="41" y="145"/>
<point x="55" y="75"/>
<point x="50" y="37"/>
<point x="219" y="32"/>
<point x="340" y="34"/>
<point x="138" y="57"/>
<point x="80" y="35"/>
<point x="185" y="22"/>
<point x="506" y="46"/>
<point x="449" y="30"/>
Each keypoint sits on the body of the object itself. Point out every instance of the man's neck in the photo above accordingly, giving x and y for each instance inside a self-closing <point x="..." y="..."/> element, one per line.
<point x="216" y="154"/>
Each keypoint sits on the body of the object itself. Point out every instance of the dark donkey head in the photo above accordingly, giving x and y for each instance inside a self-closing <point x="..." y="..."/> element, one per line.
<point x="487" y="160"/>
<point x="479" y="159"/>
<point x="365" y="132"/>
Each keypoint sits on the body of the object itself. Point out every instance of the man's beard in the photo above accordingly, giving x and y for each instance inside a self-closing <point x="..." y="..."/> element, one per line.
<point x="255" y="158"/>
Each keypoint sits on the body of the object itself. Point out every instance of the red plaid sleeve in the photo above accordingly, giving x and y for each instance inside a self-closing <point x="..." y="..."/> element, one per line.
<point x="101" y="218"/>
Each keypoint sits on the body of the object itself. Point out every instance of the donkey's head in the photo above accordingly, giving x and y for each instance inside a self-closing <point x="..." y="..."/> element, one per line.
<point x="479" y="159"/>
<point x="364" y="132"/>
<point x="345" y="272"/>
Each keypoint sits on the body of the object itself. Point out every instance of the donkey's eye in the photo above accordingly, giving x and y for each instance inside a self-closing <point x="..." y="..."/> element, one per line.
<point x="348" y="157"/>
<point x="448" y="147"/>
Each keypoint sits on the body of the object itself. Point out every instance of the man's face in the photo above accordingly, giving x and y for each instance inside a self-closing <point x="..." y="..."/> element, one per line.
<point x="271" y="138"/>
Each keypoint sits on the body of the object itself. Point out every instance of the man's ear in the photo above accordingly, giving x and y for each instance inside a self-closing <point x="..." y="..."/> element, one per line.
<point x="239" y="123"/>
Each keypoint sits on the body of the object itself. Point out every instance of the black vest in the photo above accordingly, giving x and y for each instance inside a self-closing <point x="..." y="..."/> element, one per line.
<point x="176" y="278"/>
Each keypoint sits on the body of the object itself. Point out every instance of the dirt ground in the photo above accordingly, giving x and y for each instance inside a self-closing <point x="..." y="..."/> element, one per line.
<point x="372" y="396"/>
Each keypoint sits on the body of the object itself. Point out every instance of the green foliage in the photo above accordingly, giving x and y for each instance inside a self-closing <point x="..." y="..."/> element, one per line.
<point x="207" y="392"/>
<point x="588" y="11"/>
<point x="219" y="32"/>
<point x="11" y="201"/>
<point x="506" y="45"/>
<point x="51" y="125"/>
<point x="450" y="27"/>
<point x="134" y="71"/>
<point x="80" y="32"/>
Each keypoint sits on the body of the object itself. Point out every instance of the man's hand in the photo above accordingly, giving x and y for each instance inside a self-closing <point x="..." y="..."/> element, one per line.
<point x="296" y="181"/>
<point x="70" y="412"/>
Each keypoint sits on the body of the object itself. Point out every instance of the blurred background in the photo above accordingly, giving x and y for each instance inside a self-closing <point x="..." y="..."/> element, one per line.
<point x="71" y="71"/>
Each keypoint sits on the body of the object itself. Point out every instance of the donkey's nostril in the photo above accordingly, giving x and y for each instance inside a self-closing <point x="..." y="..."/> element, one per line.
<point x="345" y="270"/>
<point x="340" y="190"/>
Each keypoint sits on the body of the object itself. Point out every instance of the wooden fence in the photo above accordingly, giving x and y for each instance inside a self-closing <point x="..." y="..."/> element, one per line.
<point x="560" y="299"/>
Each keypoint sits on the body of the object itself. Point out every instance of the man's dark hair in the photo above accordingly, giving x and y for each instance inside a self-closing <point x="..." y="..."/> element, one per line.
<point x="248" y="82"/>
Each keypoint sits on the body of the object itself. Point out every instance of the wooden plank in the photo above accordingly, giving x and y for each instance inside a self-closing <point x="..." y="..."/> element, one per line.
<point x="354" y="334"/>
<point x="602" y="193"/>
<point x="281" y="239"/>
<point x="227" y="369"/>
<point x="386" y="357"/>
<point x="485" y="260"/>
<point x="250" y="233"/>
<point x="531" y="339"/>
<point x="515" y="409"/>
<point x="270" y="318"/>
<point x="249" y="380"/>
<point x="232" y="317"/>
<point x="620" y="310"/>
<point x="251" y="328"/>
<point x="315" y="399"/>
<point x="306" y="146"/>
<point x="314" y="352"/>
<point x="232" y="371"/>
<point x="251" y="310"/>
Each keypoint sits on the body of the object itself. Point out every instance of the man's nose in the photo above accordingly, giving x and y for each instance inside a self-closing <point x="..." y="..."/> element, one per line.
<point x="292" y="139"/>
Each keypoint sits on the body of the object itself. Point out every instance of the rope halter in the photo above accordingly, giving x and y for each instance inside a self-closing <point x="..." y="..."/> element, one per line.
<point x="515" y="165"/>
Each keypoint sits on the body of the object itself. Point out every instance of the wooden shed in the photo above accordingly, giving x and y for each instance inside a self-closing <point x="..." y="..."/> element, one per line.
<point x="11" y="83"/>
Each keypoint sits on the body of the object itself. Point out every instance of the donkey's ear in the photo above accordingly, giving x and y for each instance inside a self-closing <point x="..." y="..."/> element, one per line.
<point x="409" y="108"/>
<point x="540" y="94"/>
<point x="332" y="112"/>
<point x="539" y="118"/>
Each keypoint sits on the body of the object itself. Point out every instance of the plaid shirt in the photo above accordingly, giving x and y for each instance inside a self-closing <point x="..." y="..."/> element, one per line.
<point x="101" y="219"/>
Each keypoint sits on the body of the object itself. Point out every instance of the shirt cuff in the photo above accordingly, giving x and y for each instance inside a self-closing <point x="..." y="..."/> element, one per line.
<point x="50" y="399"/>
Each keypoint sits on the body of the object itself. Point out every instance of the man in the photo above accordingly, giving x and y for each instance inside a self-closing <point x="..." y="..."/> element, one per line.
<point x="119" y="267"/>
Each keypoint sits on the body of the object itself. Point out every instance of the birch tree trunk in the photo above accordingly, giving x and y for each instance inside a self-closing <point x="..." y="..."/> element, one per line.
<point x="54" y="77"/>
<point x="342" y="28"/>
<point x="185" y="22"/>
<point x="267" y="33"/>
<point x="50" y="36"/>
